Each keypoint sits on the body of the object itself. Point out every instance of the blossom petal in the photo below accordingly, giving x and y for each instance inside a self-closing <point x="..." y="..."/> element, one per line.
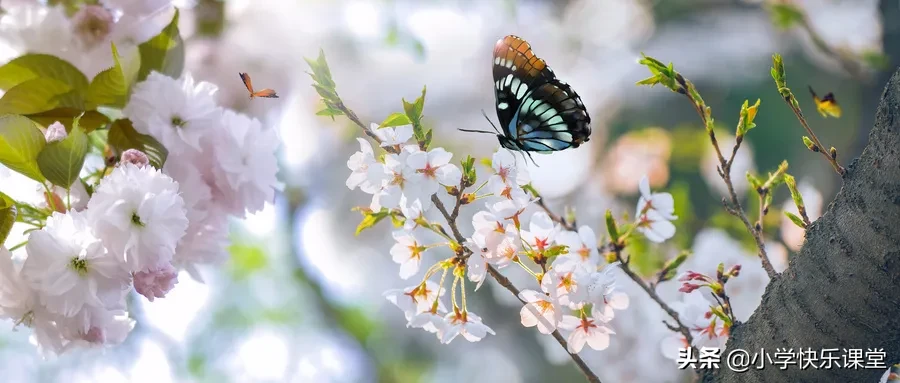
<point x="644" y="187"/>
<point x="576" y="340"/>
<point x="597" y="339"/>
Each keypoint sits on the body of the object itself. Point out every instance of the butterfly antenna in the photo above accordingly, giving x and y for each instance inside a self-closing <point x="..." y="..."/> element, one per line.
<point x="474" y="131"/>
<point x="489" y="120"/>
<point x="813" y="93"/>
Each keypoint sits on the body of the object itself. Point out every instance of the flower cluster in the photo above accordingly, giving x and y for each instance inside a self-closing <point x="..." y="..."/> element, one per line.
<point x="137" y="226"/>
<point x="577" y="292"/>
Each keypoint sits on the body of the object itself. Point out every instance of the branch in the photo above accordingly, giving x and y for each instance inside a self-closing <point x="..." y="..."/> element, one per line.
<point x="688" y="90"/>
<point x="651" y="291"/>
<point x="843" y="288"/>
<point x="779" y="76"/>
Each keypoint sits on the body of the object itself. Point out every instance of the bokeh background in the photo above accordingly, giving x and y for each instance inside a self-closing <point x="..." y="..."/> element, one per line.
<point x="300" y="299"/>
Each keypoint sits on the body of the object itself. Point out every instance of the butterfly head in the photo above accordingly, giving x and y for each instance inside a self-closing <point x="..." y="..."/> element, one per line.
<point x="508" y="143"/>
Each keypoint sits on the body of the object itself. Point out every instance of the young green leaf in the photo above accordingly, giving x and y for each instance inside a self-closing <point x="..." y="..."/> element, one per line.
<point x="809" y="144"/>
<point x="748" y="114"/>
<point x="163" y="53"/>
<point x="414" y="110"/>
<point x="89" y="120"/>
<point x="611" y="226"/>
<point x="122" y="137"/>
<point x="37" y="65"/>
<point x="61" y="162"/>
<point x="795" y="219"/>
<point x="468" y="170"/>
<point x="39" y="95"/>
<point x="20" y="143"/>
<point x="111" y="87"/>
<point x="7" y="216"/>
<point x="395" y="119"/>
<point x="370" y="219"/>
<point x="795" y="194"/>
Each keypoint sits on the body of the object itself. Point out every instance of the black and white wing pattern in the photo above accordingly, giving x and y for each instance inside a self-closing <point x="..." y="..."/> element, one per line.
<point x="537" y="111"/>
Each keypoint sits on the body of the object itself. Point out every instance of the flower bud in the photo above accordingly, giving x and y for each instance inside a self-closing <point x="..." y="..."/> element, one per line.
<point x="136" y="157"/>
<point x="155" y="283"/>
<point x="735" y="270"/>
<point x="55" y="132"/>
<point x="688" y="288"/>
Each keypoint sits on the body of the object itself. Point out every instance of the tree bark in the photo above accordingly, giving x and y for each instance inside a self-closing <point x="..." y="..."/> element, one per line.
<point x="843" y="289"/>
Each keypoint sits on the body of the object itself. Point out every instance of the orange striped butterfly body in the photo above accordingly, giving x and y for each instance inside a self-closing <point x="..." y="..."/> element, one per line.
<point x="266" y="93"/>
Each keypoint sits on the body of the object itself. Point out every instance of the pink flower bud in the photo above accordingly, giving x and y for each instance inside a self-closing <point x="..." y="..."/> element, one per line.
<point x="735" y="270"/>
<point x="136" y="157"/>
<point x="692" y="276"/>
<point x="155" y="283"/>
<point x="92" y="25"/>
<point x="55" y="132"/>
<point x="688" y="288"/>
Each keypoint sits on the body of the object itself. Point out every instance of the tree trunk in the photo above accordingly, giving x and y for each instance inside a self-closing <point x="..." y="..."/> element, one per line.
<point x="842" y="291"/>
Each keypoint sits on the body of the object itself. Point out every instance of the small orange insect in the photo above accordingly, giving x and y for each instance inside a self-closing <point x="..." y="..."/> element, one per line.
<point x="267" y="93"/>
<point x="826" y="106"/>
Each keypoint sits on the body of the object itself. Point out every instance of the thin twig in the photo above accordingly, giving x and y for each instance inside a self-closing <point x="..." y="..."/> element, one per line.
<point x="684" y="330"/>
<point x="725" y="167"/>
<point x="819" y="147"/>
<point x="558" y="219"/>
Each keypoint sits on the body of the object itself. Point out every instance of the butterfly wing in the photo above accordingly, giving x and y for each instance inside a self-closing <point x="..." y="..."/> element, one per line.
<point x="516" y="69"/>
<point x="246" y="79"/>
<point x="551" y="118"/>
<point x="267" y="93"/>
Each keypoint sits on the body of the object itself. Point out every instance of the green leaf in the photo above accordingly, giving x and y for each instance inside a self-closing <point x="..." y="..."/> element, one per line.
<point x="795" y="193"/>
<point x="61" y="161"/>
<point x="122" y="137"/>
<point x="111" y="87"/>
<point x="611" y="226"/>
<point x="395" y="119"/>
<point x="370" y="219"/>
<point x="414" y="110"/>
<point x="670" y="269"/>
<point x="795" y="219"/>
<point x="39" y="95"/>
<point x="164" y="53"/>
<point x="20" y="143"/>
<point x="7" y="216"/>
<point x="330" y="112"/>
<point x="37" y="65"/>
<point x="468" y="170"/>
<point x="90" y="120"/>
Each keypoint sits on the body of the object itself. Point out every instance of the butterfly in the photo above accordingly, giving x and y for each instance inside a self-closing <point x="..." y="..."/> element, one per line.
<point x="537" y="111"/>
<point x="826" y="106"/>
<point x="267" y="93"/>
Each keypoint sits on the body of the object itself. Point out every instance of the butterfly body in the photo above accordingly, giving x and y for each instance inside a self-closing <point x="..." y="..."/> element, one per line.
<point x="266" y="93"/>
<point x="537" y="111"/>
